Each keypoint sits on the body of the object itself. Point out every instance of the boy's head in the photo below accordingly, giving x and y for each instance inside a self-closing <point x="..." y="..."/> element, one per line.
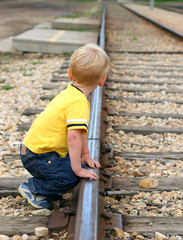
<point x="89" y="64"/>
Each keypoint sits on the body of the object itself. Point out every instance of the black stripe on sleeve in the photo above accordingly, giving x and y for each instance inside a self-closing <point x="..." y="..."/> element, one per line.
<point x="75" y="124"/>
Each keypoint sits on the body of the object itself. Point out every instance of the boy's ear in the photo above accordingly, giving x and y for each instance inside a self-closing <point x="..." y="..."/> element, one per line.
<point x="70" y="74"/>
<point x="102" y="81"/>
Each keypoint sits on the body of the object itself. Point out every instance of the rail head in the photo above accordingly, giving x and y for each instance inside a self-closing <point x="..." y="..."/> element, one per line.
<point x="86" y="226"/>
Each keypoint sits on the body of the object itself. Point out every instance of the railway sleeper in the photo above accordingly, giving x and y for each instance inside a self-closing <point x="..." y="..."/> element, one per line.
<point x="143" y="100"/>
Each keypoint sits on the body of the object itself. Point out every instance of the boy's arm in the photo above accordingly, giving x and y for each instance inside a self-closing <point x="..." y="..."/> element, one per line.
<point x="75" y="144"/>
<point x="85" y="154"/>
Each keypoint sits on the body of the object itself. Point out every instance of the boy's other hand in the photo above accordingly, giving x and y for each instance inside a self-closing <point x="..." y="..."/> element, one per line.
<point x="83" y="173"/>
<point x="91" y="163"/>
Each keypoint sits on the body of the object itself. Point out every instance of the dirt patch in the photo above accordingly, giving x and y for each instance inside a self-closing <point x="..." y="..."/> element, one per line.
<point x="17" y="16"/>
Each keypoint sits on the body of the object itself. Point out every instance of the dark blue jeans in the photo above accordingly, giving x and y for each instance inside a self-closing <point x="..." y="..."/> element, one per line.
<point x="52" y="175"/>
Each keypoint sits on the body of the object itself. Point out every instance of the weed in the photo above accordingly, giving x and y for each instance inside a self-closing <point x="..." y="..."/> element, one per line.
<point x="32" y="68"/>
<point x="50" y="98"/>
<point x="118" y="39"/>
<point x="80" y="29"/>
<point x="77" y="15"/>
<point x="25" y="74"/>
<point x="134" y="38"/>
<point x="22" y="69"/>
<point x="166" y="1"/>
<point x="6" y="55"/>
<point x="4" y="63"/>
<point x="5" y="70"/>
<point x="41" y="55"/>
<point x="67" y="54"/>
<point x="3" y="80"/>
<point x="37" y="62"/>
<point x="6" y="87"/>
<point x="85" y="0"/>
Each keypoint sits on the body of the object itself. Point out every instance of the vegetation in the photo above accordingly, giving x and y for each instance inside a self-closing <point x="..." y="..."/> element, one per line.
<point x="3" y="80"/>
<point x="25" y="74"/>
<point x="84" y="0"/>
<point x="77" y="15"/>
<point x="67" y="54"/>
<point x="6" y="55"/>
<point x="50" y="98"/>
<point x="5" y="70"/>
<point x="6" y="87"/>
<point x="4" y="63"/>
<point x="118" y="39"/>
<point x="134" y="38"/>
<point x="22" y="69"/>
<point x="37" y="62"/>
<point x="165" y="1"/>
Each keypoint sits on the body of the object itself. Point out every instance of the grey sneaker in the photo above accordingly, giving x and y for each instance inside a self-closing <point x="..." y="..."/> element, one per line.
<point x="35" y="201"/>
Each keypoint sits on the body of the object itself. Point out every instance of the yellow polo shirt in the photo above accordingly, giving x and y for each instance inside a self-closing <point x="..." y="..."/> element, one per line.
<point x="70" y="109"/>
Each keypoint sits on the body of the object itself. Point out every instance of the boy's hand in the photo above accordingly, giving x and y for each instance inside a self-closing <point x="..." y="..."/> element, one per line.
<point x="75" y="145"/>
<point x="83" y="173"/>
<point x="91" y="163"/>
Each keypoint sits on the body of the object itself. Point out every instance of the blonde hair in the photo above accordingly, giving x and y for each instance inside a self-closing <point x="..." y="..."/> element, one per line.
<point x="89" y="64"/>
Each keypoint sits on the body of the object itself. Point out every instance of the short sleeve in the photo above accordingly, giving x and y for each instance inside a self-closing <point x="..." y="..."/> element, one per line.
<point x="77" y="116"/>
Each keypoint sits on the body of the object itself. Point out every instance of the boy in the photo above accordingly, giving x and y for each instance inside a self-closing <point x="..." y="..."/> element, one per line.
<point x="56" y="145"/>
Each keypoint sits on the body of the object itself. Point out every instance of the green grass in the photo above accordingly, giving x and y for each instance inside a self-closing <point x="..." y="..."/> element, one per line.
<point x="80" y="29"/>
<point x="165" y="1"/>
<point x="5" y="70"/>
<point x="77" y="15"/>
<point x="32" y="68"/>
<point x="84" y="0"/>
<point x="6" y="55"/>
<point x="4" y="63"/>
<point x="27" y="74"/>
<point x="134" y="38"/>
<point x="37" y="62"/>
<point x="67" y="54"/>
<point x="3" y="80"/>
<point x="6" y="87"/>
<point x="118" y="39"/>
<point x="8" y="70"/>
<point x="88" y="14"/>
<point x="50" y="98"/>
<point x="22" y="69"/>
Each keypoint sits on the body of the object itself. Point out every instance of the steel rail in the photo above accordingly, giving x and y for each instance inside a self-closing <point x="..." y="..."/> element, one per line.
<point x="86" y="227"/>
<point x="179" y="34"/>
<point x="171" y="9"/>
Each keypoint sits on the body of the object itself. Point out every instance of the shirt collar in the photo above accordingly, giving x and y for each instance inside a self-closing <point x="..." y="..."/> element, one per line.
<point x="77" y="88"/>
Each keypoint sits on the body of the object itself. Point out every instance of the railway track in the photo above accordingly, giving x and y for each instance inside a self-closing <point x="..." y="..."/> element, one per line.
<point x="173" y="7"/>
<point x="178" y="8"/>
<point x="141" y="137"/>
<point x="142" y="97"/>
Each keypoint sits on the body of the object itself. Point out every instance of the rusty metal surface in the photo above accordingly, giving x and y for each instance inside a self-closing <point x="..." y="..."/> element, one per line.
<point x="58" y="221"/>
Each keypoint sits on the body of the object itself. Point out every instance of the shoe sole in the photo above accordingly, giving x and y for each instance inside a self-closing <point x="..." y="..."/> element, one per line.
<point x="27" y="198"/>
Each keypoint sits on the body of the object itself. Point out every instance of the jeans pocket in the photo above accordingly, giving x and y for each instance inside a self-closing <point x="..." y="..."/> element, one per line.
<point x="26" y="159"/>
<point x="30" y="165"/>
<point x="29" y="162"/>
